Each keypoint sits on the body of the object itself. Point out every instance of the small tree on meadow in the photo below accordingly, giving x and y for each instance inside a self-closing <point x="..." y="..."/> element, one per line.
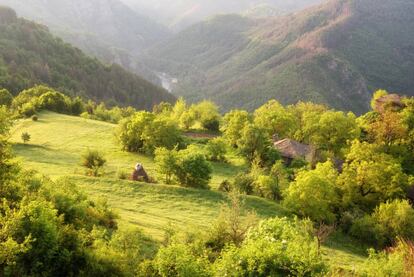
<point x="93" y="161"/>
<point x="26" y="137"/>
<point x="166" y="163"/>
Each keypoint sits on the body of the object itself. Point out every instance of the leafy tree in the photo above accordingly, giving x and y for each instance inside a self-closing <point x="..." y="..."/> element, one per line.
<point x="267" y="186"/>
<point x="144" y="132"/>
<point x="26" y="137"/>
<point x="370" y="177"/>
<point x="313" y="193"/>
<point x="166" y="162"/>
<point x="5" y="98"/>
<point x="216" y="150"/>
<point x="94" y="161"/>
<point x="207" y="114"/>
<point x="253" y="142"/>
<point x="331" y="130"/>
<point x="233" y="125"/>
<point x="275" y="119"/>
<point x="193" y="169"/>
<point x="388" y="128"/>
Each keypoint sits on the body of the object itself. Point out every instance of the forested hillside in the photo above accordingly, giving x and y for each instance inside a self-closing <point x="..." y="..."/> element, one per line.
<point x="30" y="55"/>
<point x="108" y="30"/>
<point x="336" y="53"/>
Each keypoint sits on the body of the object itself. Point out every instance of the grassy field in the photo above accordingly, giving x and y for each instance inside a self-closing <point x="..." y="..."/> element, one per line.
<point x="58" y="141"/>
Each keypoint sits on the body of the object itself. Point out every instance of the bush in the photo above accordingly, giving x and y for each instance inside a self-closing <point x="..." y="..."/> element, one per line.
<point x="225" y="186"/>
<point x="243" y="183"/>
<point x="193" y="170"/>
<point x="144" y="132"/>
<point x="179" y="260"/>
<point x="122" y="175"/>
<point x="26" y="137"/>
<point x="216" y="150"/>
<point x="35" y="118"/>
<point x="6" y="98"/>
<point x="277" y="247"/>
<point x="389" y="221"/>
<point x="93" y="161"/>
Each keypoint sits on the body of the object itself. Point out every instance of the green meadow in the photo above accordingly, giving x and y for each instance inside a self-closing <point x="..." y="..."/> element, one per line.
<point x="55" y="148"/>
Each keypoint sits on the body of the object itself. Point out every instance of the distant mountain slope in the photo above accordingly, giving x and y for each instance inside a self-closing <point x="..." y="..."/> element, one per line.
<point x="30" y="55"/>
<point x="183" y="13"/>
<point x="107" y="29"/>
<point x="336" y="53"/>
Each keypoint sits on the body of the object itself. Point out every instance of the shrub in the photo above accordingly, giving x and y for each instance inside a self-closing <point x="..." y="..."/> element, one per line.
<point x="122" y="175"/>
<point x="216" y="150"/>
<point x="144" y="132"/>
<point x="267" y="187"/>
<point x="26" y="137"/>
<point x="243" y="183"/>
<point x="35" y="118"/>
<point x="225" y="186"/>
<point x="179" y="260"/>
<point x="93" y="161"/>
<point x="389" y="221"/>
<point x="5" y="98"/>
<point x="166" y="162"/>
<point x="277" y="247"/>
<point x="193" y="170"/>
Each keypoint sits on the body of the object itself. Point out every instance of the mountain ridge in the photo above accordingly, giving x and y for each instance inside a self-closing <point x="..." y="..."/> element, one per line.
<point x="298" y="57"/>
<point x="31" y="55"/>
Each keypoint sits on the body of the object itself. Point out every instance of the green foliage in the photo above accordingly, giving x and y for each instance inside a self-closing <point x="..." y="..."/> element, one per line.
<point x="388" y="222"/>
<point x="313" y="193"/>
<point x="370" y="177"/>
<point x="233" y="124"/>
<point x="277" y="247"/>
<point x="94" y="161"/>
<point x="216" y="150"/>
<point x="5" y="98"/>
<point x="275" y="119"/>
<point x="189" y="167"/>
<point x="166" y="162"/>
<point x="178" y="260"/>
<point x="193" y="170"/>
<point x="26" y="137"/>
<point x="144" y="132"/>
<point x="253" y="142"/>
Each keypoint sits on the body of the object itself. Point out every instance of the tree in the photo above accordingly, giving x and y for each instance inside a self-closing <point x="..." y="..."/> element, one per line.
<point x="193" y="170"/>
<point x="370" y="177"/>
<point x="26" y="137"/>
<point x="275" y="119"/>
<point x="94" y="161"/>
<point x="388" y="128"/>
<point x="216" y="150"/>
<point x="233" y="125"/>
<point x="207" y="113"/>
<point x="166" y="163"/>
<point x="253" y="142"/>
<point x="5" y="98"/>
<point x="144" y="132"/>
<point x="313" y="193"/>
<point x="331" y="130"/>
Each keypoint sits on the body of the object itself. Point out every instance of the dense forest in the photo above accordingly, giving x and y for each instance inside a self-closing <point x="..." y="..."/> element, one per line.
<point x="30" y="55"/>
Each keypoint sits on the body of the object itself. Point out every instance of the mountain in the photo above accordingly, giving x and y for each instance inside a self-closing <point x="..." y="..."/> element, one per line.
<point x="106" y="29"/>
<point x="336" y="53"/>
<point x="30" y="55"/>
<point x="178" y="15"/>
